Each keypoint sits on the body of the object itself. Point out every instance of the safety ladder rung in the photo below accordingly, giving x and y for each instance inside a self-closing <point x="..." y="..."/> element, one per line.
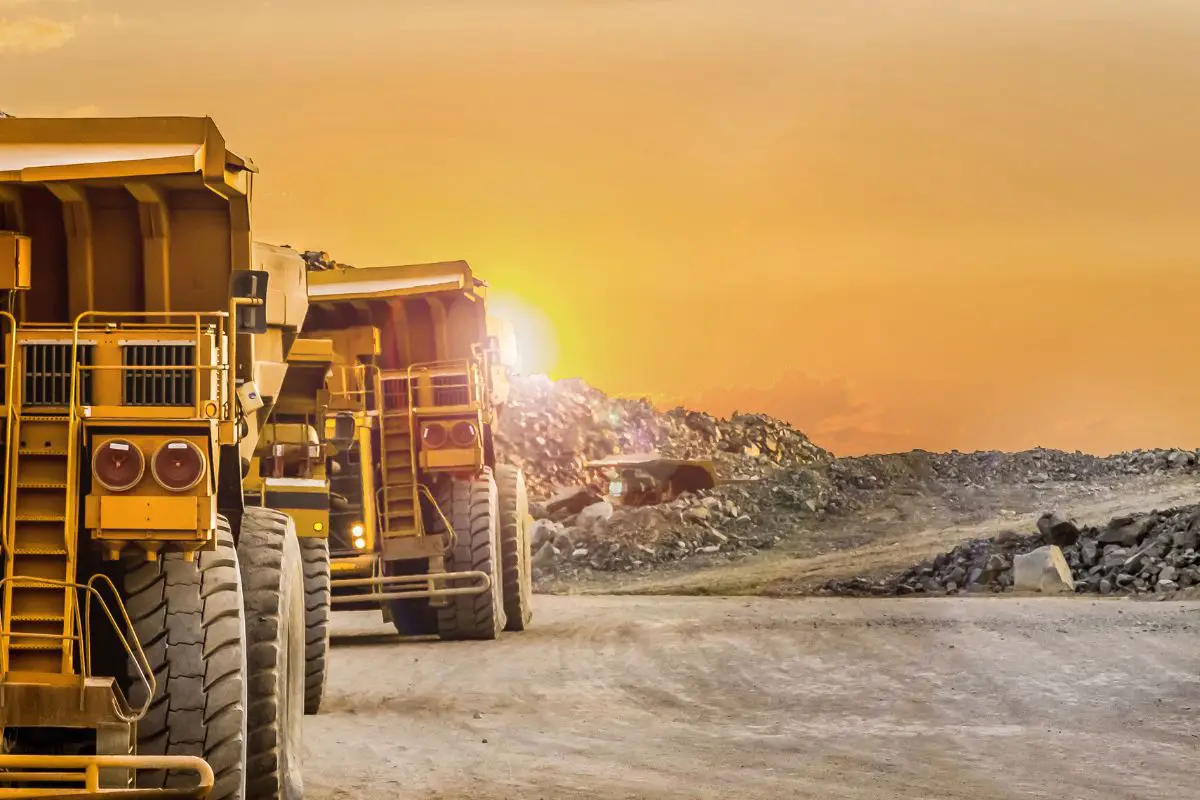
<point x="41" y="484"/>
<point x="20" y="643"/>
<point x="41" y="518"/>
<point x="41" y="418"/>
<point x="42" y="617"/>
<point x="39" y="551"/>
<point x="32" y="452"/>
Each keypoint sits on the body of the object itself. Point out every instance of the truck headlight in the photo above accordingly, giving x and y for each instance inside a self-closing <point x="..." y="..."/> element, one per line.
<point x="178" y="465"/>
<point x="434" y="436"/>
<point x="118" y="465"/>
<point x="463" y="434"/>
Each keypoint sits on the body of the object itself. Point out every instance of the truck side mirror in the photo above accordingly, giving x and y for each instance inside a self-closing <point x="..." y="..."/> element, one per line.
<point x="249" y="285"/>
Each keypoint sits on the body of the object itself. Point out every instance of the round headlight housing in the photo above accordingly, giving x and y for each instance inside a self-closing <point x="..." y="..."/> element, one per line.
<point x="118" y="465"/>
<point x="178" y="465"/>
<point x="463" y="434"/>
<point x="434" y="436"/>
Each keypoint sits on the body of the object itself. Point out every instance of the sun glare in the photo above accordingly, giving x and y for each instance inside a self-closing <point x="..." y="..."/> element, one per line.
<point x="529" y="342"/>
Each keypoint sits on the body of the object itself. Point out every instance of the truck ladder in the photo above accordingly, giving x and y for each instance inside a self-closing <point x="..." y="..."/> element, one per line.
<point x="399" y="493"/>
<point x="40" y="542"/>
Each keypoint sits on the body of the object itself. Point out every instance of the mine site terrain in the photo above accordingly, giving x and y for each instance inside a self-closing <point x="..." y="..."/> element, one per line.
<point x="863" y="637"/>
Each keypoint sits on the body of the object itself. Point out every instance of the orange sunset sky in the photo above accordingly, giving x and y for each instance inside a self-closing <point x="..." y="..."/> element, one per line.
<point x="896" y="223"/>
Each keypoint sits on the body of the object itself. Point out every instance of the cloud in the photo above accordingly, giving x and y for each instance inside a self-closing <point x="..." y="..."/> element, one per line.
<point x="28" y="35"/>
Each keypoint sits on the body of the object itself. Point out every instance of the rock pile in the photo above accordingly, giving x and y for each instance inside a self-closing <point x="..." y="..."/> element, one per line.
<point x="552" y="429"/>
<point x="1149" y="553"/>
<point x="583" y="533"/>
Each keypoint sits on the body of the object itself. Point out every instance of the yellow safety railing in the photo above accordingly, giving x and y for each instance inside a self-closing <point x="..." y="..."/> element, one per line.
<point x="84" y="772"/>
<point x="82" y="625"/>
<point x="10" y="410"/>
<point x="199" y="324"/>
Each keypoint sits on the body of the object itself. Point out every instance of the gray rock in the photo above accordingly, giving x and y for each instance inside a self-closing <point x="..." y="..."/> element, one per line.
<point x="1057" y="531"/>
<point x="579" y="552"/>
<point x="1126" y="531"/>
<point x="1166" y="586"/>
<point x="1105" y="586"/>
<point x="601" y="511"/>
<point x="1114" y="558"/>
<point x="543" y="531"/>
<point x="1186" y="539"/>
<point x="1088" y="552"/>
<point x="1168" y="574"/>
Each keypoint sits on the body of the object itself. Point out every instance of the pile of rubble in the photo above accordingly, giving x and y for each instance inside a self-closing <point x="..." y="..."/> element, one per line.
<point x="579" y="532"/>
<point x="1149" y="553"/>
<point x="553" y="429"/>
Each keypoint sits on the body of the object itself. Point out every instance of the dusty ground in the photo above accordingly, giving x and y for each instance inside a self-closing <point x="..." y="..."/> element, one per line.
<point x="670" y="697"/>
<point x="883" y="540"/>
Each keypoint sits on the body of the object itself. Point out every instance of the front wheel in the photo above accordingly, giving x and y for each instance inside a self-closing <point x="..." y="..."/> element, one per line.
<point x="473" y="509"/>
<point x="273" y="584"/>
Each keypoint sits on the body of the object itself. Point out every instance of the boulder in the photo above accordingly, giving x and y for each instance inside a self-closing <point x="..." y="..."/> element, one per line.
<point x="1044" y="570"/>
<point x="1126" y="531"/>
<point x="572" y="500"/>
<point x="1058" y="531"/>
<point x="601" y="511"/>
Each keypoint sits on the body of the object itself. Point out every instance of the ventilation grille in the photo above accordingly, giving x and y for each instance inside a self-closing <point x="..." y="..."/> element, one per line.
<point x="175" y="385"/>
<point x="451" y="390"/>
<point x="48" y="374"/>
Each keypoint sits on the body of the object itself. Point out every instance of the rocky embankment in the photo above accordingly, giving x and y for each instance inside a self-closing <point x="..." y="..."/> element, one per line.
<point x="775" y="481"/>
<point x="1155" y="553"/>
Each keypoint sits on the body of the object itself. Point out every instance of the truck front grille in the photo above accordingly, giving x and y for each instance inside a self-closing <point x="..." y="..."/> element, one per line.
<point x="48" y="374"/>
<point x="174" y="385"/>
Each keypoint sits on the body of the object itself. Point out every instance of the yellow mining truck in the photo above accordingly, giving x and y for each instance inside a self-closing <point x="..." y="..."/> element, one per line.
<point x="424" y="523"/>
<point x="152" y="627"/>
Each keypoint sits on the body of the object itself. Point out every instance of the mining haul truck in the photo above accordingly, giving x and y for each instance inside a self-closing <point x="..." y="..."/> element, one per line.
<point x="424" y="523"/>
<point x="152" y="623"/>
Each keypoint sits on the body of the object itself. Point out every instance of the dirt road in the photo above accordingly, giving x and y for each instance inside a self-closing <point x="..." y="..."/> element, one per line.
<point x="667" y="697"/>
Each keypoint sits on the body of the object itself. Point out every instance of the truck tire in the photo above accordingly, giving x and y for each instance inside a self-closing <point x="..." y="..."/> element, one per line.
<point x="189" y="618"/>
<point x="273" y="585"/>
<point x="411" y="617"/>
<point x="515" y="548"/>
<point x="315" y="551"/>
<point x="472" y="508"/>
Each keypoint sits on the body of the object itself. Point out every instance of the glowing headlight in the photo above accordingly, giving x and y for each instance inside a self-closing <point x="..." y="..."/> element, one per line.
<point x="360" y="543"/>
<point x="357" y="531"/>
<point x="178" y="465"/>
<point x="118" y="465"/>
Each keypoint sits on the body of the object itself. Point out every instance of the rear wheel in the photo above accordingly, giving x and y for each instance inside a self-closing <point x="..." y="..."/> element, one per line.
<point x="273" y="584"/>
<point x="472" y="508"/>
<point x="188" y="616"/>
<point x="315" y="551"/>
<point x="515" y="547"/>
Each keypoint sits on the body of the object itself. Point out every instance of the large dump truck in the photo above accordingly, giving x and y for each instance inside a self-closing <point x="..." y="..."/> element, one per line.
<point x="152" y="629"/>
<point x="425" y="524"/>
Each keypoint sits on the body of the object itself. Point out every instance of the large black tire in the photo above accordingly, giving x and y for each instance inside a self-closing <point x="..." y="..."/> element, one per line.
<point x="273" y="583"/>
<point x="473" y="509"/>
<point x="515" y="548"/>
<point x="188" y="616"/>
<point x="411" y="617"/>
<point x="315" y="551"/>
